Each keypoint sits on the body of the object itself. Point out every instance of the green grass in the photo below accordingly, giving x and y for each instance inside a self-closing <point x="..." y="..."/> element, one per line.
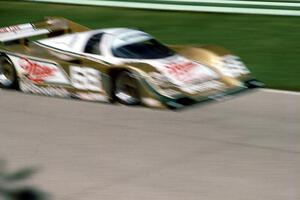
<point x="269" y="45"/>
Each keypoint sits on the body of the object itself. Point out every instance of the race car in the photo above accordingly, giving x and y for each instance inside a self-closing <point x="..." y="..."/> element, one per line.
<point x="58" y="57"/>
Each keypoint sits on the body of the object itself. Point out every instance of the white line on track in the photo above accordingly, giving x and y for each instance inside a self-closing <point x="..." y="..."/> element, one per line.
<point x="281" y="91"/>
<point x="191" y="8"/>
<point x="255" y="3"/>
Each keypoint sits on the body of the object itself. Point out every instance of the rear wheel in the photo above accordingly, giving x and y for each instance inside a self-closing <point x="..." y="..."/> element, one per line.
<point x="126" y="89"/>
<point x="8" y="75"/>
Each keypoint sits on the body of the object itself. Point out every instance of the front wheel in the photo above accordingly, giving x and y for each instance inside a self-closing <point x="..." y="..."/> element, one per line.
<point x="8" y="75"/>
<point x="126" y="89"/>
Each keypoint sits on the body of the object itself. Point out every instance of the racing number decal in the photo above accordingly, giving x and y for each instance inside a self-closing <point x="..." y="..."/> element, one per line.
<point x="86" y="78"/>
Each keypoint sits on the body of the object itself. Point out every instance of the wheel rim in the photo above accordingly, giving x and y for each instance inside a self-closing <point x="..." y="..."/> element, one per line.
<point x="127" y="89"/>
<point x="7" y="73"/>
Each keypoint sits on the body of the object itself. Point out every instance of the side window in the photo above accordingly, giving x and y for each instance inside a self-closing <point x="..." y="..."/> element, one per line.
<point x="93" y="44"/>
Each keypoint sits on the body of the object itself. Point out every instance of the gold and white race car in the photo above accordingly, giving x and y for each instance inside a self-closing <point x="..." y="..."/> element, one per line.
<point x="58" y="57"/>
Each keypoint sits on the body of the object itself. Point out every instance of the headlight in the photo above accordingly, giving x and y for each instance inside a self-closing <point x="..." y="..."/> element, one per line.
<point x="232" y="66"/>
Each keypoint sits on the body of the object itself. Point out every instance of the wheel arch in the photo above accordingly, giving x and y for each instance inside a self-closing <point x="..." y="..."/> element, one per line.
<point x="109" y="80"/>
<point x="113" y="74"/>
<point x="16" y="84"/>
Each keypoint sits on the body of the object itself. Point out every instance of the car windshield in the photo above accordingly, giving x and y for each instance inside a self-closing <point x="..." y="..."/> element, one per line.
<point x="146" y="49"/>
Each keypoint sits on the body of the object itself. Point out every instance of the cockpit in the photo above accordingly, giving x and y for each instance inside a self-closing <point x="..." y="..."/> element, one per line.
<point x="130" y="44"/>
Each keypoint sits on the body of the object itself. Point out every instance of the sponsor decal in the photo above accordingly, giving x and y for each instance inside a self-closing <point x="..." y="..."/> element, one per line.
<point x="15" y="32"/>
<point x="10" y="29"/>
<point x="180" y="70"/>
<point x="36" y="72"/>
<point x="16" y="28"/>
<point x="189" y="72"/>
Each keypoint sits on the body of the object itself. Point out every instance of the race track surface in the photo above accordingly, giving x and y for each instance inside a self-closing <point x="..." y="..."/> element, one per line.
<point x="246" y="148"/>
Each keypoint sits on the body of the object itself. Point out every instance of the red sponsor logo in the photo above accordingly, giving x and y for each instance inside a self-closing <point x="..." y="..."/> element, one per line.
<point x="181" y="71"/>
<point x="36" y="72"/>
<point x="9" y="29"/>
<point x="180" y="68"/>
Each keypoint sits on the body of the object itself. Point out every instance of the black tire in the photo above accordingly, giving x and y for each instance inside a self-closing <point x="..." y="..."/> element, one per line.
<point x="8" y="75"/>
<point x="126" y="90"/>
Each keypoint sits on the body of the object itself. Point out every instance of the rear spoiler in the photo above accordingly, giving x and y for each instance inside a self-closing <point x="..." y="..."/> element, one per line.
<point x="51" y="26"/>
<point x="20" y="31"/>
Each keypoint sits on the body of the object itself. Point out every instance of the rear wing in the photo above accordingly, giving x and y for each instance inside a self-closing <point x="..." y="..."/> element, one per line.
<point x="20" y="31"/>
<point x="50" y="27"/>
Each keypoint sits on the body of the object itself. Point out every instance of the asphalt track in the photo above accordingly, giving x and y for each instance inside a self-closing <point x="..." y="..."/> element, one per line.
<point x="246" y="148"/>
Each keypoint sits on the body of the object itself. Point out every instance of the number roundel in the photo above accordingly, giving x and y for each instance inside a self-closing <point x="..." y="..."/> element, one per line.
<point x="86" y="78"/>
